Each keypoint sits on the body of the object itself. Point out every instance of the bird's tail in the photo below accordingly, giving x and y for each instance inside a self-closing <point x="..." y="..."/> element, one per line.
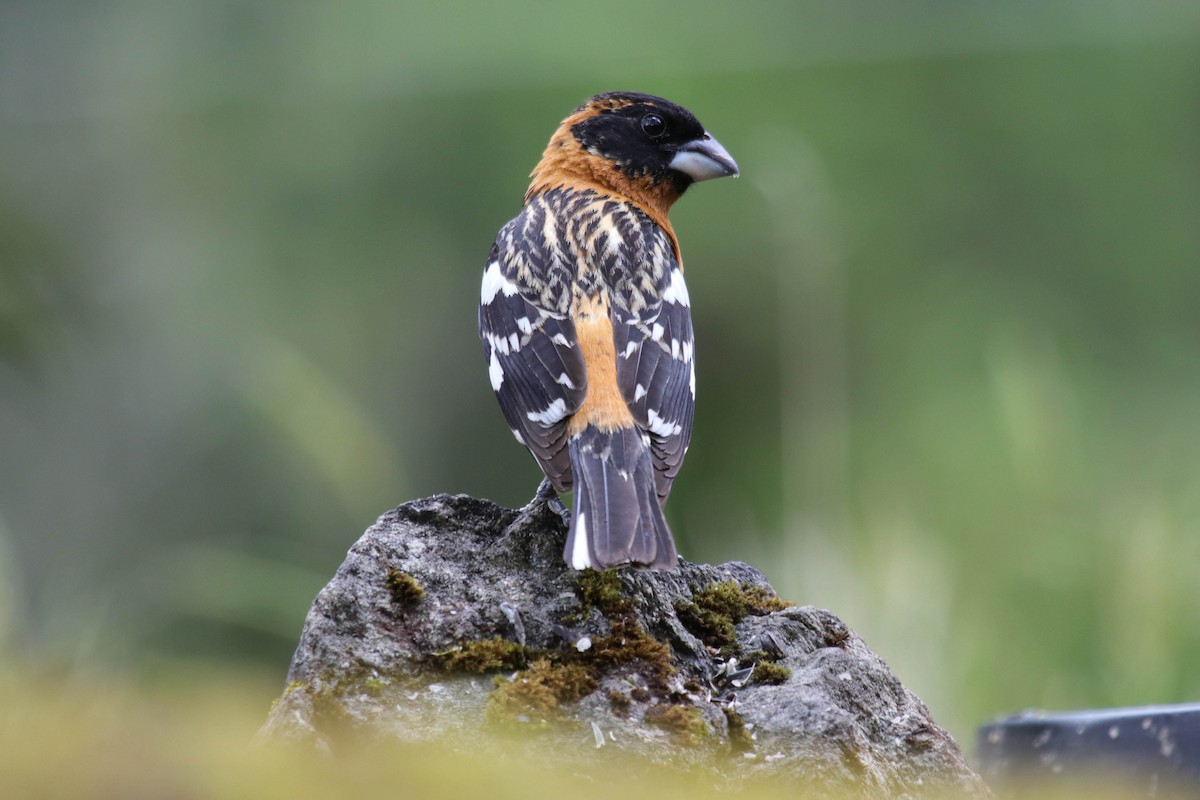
<point x="617" y="518"/>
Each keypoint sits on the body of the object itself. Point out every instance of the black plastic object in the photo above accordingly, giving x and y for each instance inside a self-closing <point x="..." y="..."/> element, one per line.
<point x="1151" y="748"/>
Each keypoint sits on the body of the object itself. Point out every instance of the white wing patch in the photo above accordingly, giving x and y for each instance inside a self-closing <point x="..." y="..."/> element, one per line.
<point x="503" y="344"/>
<point x="676" y="291"/>
<point x="662" y="427"/>
<point x="552" y="413"/>
<point x="495" y="282"/>
<point x="495" y="372"/>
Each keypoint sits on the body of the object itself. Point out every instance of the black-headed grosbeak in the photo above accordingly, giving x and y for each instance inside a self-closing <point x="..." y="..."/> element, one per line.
<point x="585" y="321"/>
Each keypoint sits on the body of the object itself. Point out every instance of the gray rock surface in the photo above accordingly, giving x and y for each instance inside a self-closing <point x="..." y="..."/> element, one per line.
<point x="455" y="619"/>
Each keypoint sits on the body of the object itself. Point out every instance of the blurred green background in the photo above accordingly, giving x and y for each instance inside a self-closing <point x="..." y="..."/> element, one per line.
<point x="948" y="320"/>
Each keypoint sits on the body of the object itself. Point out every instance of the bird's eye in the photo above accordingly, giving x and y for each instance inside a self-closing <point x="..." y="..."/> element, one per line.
<point x="654" y="126"/>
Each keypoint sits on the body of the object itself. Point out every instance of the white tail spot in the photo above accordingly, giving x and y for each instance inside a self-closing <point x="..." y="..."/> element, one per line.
<point x="580" y="559"/>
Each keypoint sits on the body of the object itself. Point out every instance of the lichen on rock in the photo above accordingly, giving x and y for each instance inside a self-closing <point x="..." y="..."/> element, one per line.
<point x="453" y="618"/>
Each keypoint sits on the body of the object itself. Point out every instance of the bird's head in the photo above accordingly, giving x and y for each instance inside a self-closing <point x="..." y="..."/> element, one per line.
<point x="643" y="146"/>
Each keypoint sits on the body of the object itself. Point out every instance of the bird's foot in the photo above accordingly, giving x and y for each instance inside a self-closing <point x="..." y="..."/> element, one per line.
<point x="556" y="505"/>
<point x="544" y="498"/>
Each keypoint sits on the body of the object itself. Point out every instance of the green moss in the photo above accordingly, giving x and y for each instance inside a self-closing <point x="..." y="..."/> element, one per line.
<point x="540" y="692"/>
<point x="768" y="672"/>
<point x="716" y="609"/>
<point x="714" y="629"/>
<point x="485" y="655"/>
<point x="629" y="644"/>
<point x="738" y="600"/>
<point x="404" y="588"/>
<point x="687" y="724"/>
<point x="552" y="680"/>
<point x="739" y="737"/>
<point x="601" y="591"/>
<point x="556" y="678"/>
<point x="619" y="702"/>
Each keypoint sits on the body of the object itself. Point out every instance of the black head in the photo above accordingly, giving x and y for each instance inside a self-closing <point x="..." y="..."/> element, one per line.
<point x="651" y="138"/>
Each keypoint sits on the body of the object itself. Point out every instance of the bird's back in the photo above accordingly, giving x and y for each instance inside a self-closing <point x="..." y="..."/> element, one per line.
<point x="586" y="323"/>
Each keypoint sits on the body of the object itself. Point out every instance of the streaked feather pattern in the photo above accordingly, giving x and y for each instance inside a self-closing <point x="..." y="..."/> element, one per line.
<point x="586" y="324"/>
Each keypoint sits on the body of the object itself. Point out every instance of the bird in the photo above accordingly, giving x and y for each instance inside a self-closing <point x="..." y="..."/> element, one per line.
<point x="586" y="322"/>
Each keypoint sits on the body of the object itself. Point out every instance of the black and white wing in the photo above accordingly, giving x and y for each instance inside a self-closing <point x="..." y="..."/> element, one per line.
<point x="534" y="363"/>
<point x="656" y="371"/>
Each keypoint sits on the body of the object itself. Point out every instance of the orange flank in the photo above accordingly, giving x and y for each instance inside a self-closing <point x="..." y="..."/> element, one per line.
<point x="603" y="406"/>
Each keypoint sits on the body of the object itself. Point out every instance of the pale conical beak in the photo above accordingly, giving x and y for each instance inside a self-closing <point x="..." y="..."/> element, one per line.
<point x="704" y="159"/>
